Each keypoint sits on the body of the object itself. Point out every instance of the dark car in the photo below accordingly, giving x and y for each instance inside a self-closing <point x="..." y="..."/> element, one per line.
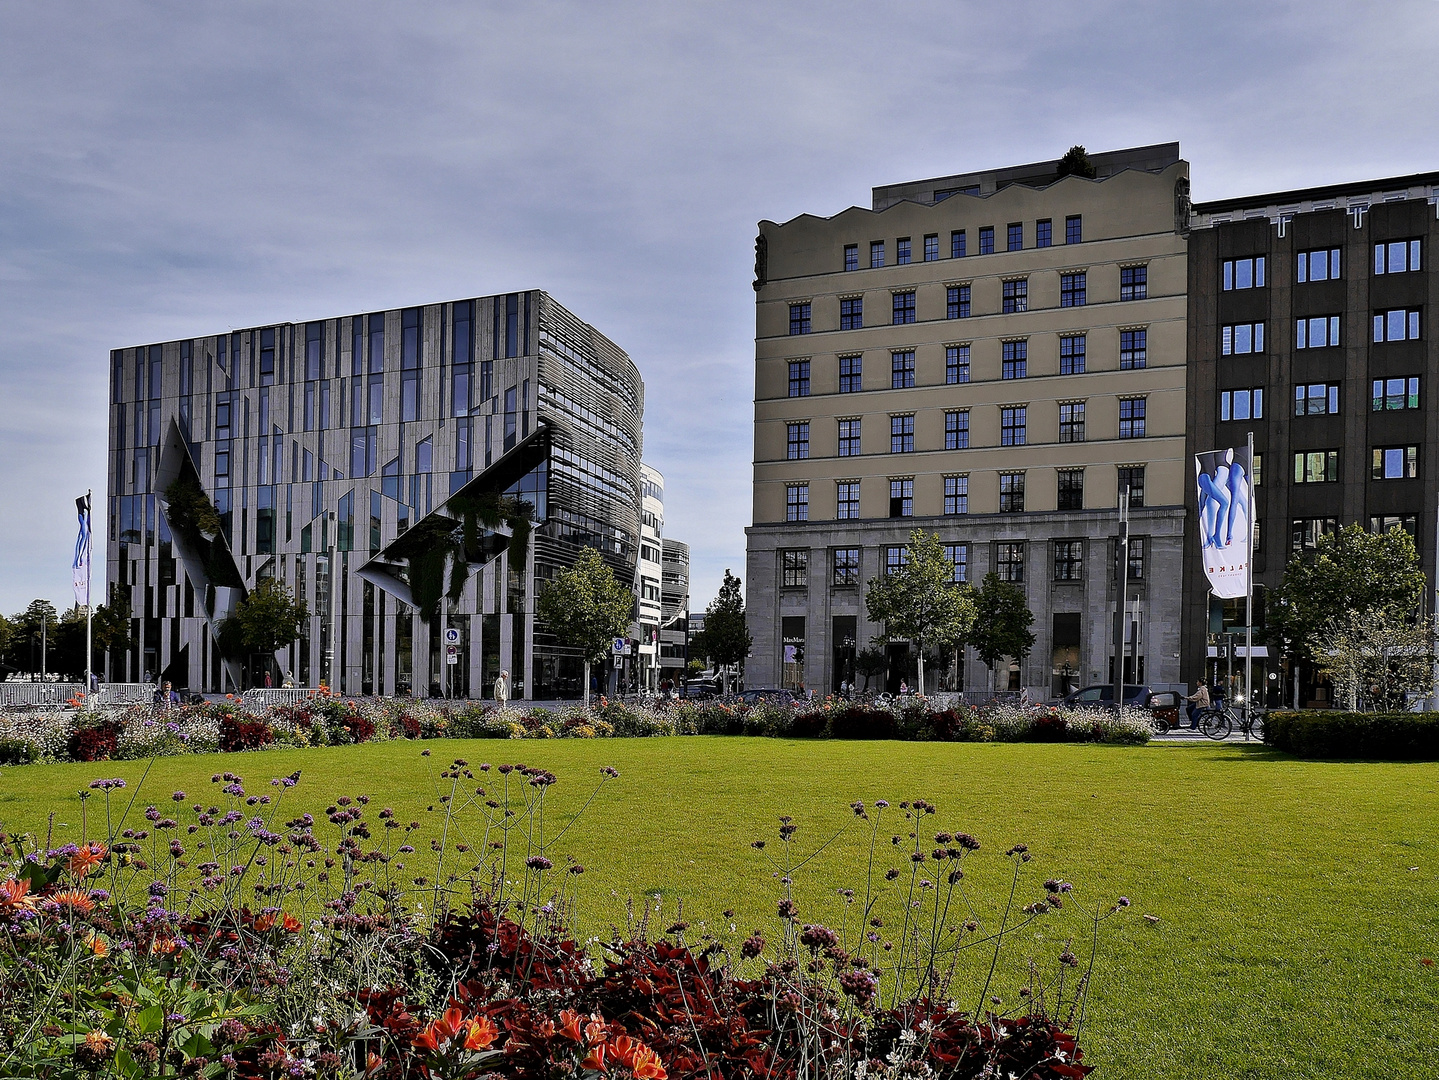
<point x="1103" y="697"/>
<point x="773" y="694"/>
<point x="700" y="689"/>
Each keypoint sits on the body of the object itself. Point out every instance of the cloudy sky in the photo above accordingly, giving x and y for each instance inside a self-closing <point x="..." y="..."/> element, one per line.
<point x="174" y="169"/>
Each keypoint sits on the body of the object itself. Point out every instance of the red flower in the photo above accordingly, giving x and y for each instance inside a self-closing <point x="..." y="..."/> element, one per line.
<point x="570" y="1025"/>
<point x="481" y="1033"/>
<point x="595" y="1060"/>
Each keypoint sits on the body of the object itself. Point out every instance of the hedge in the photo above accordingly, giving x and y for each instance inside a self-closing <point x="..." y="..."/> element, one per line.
<point x="1324" y="734"/>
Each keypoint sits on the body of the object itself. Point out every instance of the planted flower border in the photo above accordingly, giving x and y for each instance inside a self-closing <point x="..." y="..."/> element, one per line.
<point x="74" y="734"/>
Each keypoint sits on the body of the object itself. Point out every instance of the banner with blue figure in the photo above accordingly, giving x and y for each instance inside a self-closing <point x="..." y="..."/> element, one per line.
<point x="1226" y="530"/>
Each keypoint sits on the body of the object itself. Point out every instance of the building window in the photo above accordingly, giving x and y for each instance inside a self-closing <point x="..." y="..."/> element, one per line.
<point x="847" y="500"/>
<point x="901" y="498"/>
<point x="1071" y="355"/>
<point x="1320" y="265"/>
<point x="1380" y="524"/>
<point x="849" y="438"/>
<point x="956" y="302"/>
<point x="1074" y="229"/>
<point x="956" y="363"/>
<point x="958" y="556"/>
<point x="1015" y="238"/>
<point x="1043" y="232"/>
<point x="1244" y="273"/>
<point x="895" y="558"/>
<point x="794" y="569"/>
<point x="846" y="566"/>
<point x="957" y="244"/>
<point x="956" y="494"/>
<point x="410" y="348"/>
<point x="986" y="240"/>
<point x="851" y="256"/>
<point x="1015" y="296"/>
<point x="1131" y="479"/>
<point x="797" y="441"/>
<point x="1316" y="467"/>
<point x="1071" y="421"/>
<point x="1394" y="394"/>
<point x="956" y="429"/>
<point x="1012" y="425"/>
<point x="1242" y="404"/>
<point x="1071" y="489"/>
<point x="1136" y="558"/>
<point x="1009" y="561"/>
<point x="1400" y="324"/>
<point x="931" y="247"/>
<point x="1073" y="288"/>
<point x="1317" y="399"/>
<point x="1069" y="560"/>
<point x="799" y="378"/>
<point x="901" y="434"/>
<point x="1397" y="257"/>
<point x="901" y="251"/>
<point x="849" y="374"/>
<point x="1316" y="333"/>
<point x="903" y="305"/>
<point x="851" y="313"/>
<point x="796" y="502"/>
<point x="1133" y="349"/>
<point x="1131" y="418"/>
<point x="1240" y="338"/>
<point x="901" y="370"/>
<point x="1133" y="282"/>
<point x="1011" y="492"/>
<point x="1395" y="463"/>
<point x="1014" y="359"/>
<point x="799" y="319"/>
<point x="1305" y="533"/>
<point x="876" y="254"/>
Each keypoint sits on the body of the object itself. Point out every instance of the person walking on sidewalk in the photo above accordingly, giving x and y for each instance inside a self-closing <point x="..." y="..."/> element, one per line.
<point x="502" y="689"/>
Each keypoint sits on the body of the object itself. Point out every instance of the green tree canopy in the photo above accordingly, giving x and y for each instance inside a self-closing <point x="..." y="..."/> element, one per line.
<point x="1001" y="627"/>
<point x="36" y="624"/>
<point x="1352" y="570"/>
<point x="920" y="601"/>
<point x="725" y="639"/>
<point x="269" y="618"/>
<point x="1075" y="162"/>
<point x="871" y="663"/>
<point x="586" y="608"/>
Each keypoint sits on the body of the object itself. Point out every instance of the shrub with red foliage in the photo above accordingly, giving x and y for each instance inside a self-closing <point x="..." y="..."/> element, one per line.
<point x="238" y="733"/>
<point x="1050" y="726"/>
<point x="858" y="722"/>
<point x="360" y="727"/>
<point x="410" y="726"/>
<point x="95" y="743"/>
<point x="693" y="1011"/>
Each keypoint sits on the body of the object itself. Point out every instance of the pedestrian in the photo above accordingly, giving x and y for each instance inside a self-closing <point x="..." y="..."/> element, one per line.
<point x="1198" y="702"/>
<point x="843" y="688"/>
<point x="165" y="697"/>
<point x="268" y="682"/>
<point x="502" y="688"/>
<point x="903" y="687"/>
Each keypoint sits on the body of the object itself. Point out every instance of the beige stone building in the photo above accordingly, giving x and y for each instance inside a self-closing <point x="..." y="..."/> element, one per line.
<point x="992" y="356"/>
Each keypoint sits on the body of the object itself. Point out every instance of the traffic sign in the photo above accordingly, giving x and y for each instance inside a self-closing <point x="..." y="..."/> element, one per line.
<point x="452" y="636"/>
<point x="619" y="646"/>
<point x="452" y="654"/>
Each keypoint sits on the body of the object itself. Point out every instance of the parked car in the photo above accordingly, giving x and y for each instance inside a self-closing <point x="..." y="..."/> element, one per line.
<point x="699" y="689"/>
<point x="773" y="694"/>
<point x="1103" y="697"/>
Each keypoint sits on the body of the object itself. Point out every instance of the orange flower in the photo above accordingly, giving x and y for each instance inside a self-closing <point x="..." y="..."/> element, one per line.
<point x="439" y="1033"/>
<point x="98" y="1043"/>
<point x="12" y="894"/>
<point x="637" y="1058"/>
<point x="481" y="1033"/>
<point x="87" y="858"/>
<point x="570" y="1025"/>
<point x="164" y="946"/>
<point x="76" y="900"/>
<point x="595" y="1032"/>
<point x="97" y="945"/>
<point x="595" y="1060"/>
<point x="265" y="922"/>
<point x="290" y="924"/>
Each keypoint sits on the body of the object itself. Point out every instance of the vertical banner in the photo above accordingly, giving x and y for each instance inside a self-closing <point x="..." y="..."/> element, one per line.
<point x="80" y="568"/>
<point x="1226" y="529"/>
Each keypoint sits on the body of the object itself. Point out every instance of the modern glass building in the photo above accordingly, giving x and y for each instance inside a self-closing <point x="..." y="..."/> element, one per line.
<point x="378" y="464"/>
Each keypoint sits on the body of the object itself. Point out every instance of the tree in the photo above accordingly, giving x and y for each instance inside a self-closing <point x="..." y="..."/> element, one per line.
<point x="726" y="639"/>
<point x="1352" y="570"/>
<point x="34" y="633"/>
<point x="1002" y="622"/>
<point x="265" y="621"/>
<point x="871" y="663"/>
<point x="1380" y="654"/>
<point x="7" y="636"/>
<point x="586" y="608"/>
<point x="920" y="601"/>
<point x="1075" y="162"/>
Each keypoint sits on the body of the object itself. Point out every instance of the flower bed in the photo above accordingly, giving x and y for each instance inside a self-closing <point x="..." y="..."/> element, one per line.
<point x="231" y="934"/>
<point x="141" y="732"/>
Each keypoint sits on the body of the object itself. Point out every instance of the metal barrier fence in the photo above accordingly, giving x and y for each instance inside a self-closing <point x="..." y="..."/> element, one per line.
<point x="127" y="693"/>
<point x="996" y="697"/>
<point x="38" y="693"/>
<point x="269" y="697"/>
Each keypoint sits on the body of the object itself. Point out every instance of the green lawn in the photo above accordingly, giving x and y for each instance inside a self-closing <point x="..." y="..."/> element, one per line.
<point x="1295" y="899"/>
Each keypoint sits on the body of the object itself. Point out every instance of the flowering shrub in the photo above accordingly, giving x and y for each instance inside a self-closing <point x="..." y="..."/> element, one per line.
<point x="239" y="733"/>
<point x="94" y="742"/>
<point x="300" y="947"/>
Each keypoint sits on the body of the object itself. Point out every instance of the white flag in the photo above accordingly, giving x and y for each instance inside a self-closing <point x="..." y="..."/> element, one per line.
<point x="1226" y="520"/>
<point x="80" y="568"/>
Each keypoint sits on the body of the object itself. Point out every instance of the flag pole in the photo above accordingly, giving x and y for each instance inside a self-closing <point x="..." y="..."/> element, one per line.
<point x="89" y="610"/>
<point x="1249" y="596"/>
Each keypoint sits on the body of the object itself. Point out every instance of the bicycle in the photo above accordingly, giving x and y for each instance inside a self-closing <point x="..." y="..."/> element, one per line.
<point x="1220" y="721"/>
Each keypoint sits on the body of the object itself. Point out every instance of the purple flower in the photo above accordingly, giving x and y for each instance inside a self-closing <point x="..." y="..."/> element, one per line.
<point x="539" y="862"/>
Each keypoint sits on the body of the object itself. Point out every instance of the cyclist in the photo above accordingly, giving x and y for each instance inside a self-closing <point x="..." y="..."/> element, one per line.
<point x="1199" y="701"/>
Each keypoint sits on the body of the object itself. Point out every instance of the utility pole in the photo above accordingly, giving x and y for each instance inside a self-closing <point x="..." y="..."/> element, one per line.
<point x="1122" y="600"/>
